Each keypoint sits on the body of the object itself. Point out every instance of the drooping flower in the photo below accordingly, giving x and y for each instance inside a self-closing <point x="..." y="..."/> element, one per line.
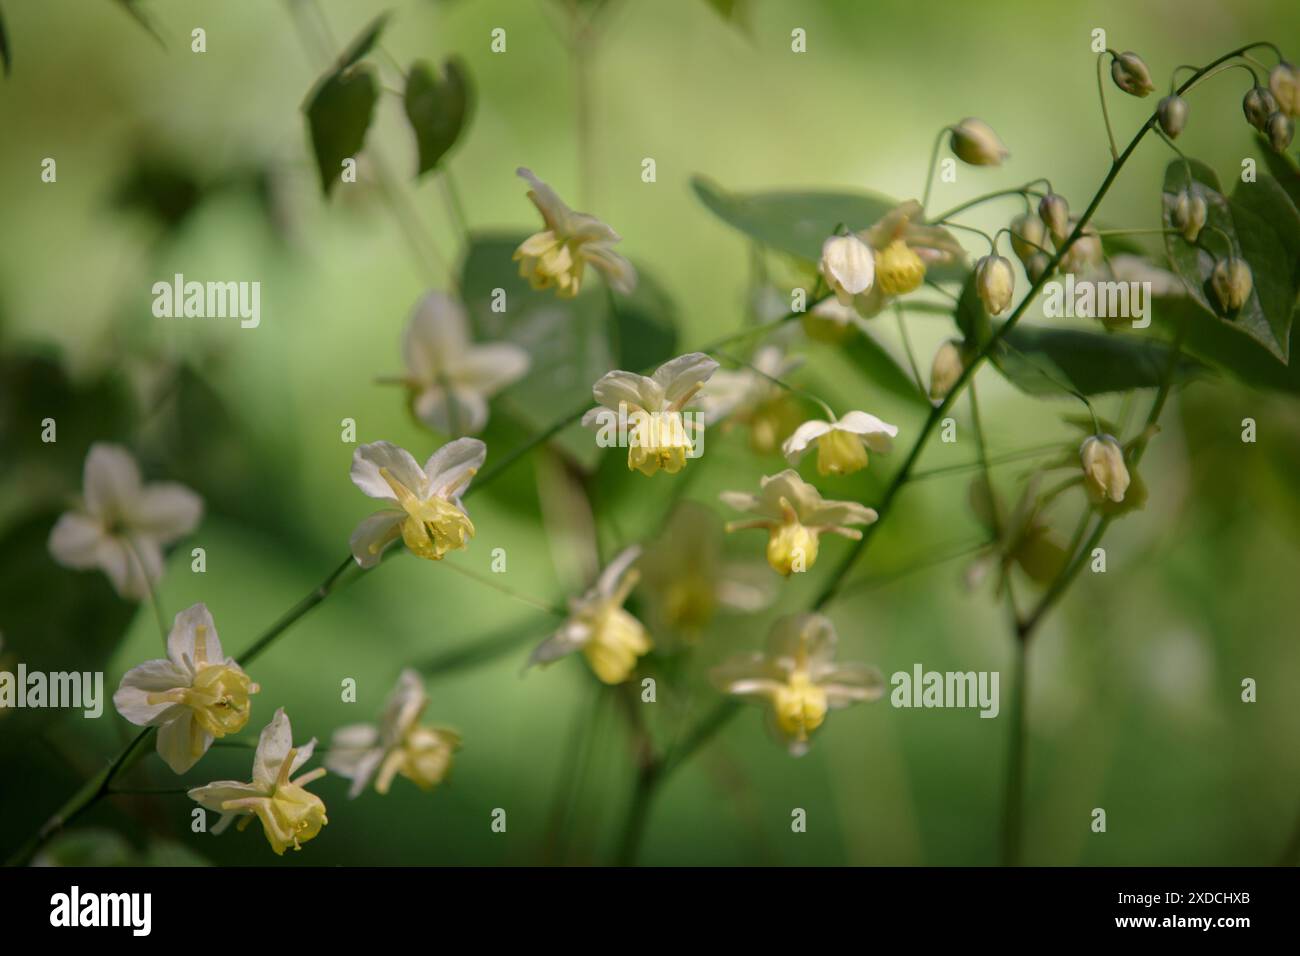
<point x="848" y="265"/>
<point x="645" y="412"/>
<point x="399" y="746"/>
<point x="797" y="679"/>
<point x="121" y="525"/>
<point x="192" y="696"/>
<point x="905" y="247"/>
<point x="974" y="142"/>
<point x="609" y="637"/>
<point x="1232" y="282"/>
<point x="429" y="516"/>
<point x="450" y="377"/>
<point x="842" y="444"/>
<point x="749" y="396"/>
<point x="1284" y="84"/>
<point x="995" y="283"/>
<point x="556" y="256"/>
<point x="948" y="366"/>
<point x="1105" y="475"/>
<point x="289" y="813"/>
<point x="795" y="516"/>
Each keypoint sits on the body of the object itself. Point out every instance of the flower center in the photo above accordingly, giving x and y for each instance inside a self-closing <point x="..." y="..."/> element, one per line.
<point x="791" y="545"/>
<point x="433" y="525"/>
<point x="899" y="269"/>
<point x="658" y="440"/>
<point x="800" y="705"/>
<point x="840" y="453"/>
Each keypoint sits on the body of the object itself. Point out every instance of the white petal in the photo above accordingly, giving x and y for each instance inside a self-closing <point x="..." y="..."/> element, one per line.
<point x="151" y="677"/>
<point x="553" y="209"/>
<point x="812" y="635"/>
<point x="449" y="469"/>
<point x="803" y="436"/>
<point x="273" y="746"/>
<point x="571" y="636"/>
<point x="111" y="479"/>
<point x="740" y="500"/>
<point x="678" y="376"/>
<point x="74" y="540"/>
<point x="617" y="270"/>
<point x="636" y="391"/>
<point x="373" y="536"/>
<point x="218" y="792"/>
<point x="487" y="369"/>
<point x="749" y="676"/>
<point x="458" y="412"/>
<point x="404" y="706"/>
<point x="367" y="460"/>
<point x="183" y="638"/>
<point x="175" y="742"/>
<point x="846" y="684"/>
<point x="877" y="434"/>
<point x="435" y="338"/>
<point x="165" y="511"/>
<point x="122" y="565"/>
<point x="353" y="754"/>
<point x="612" y="576"/>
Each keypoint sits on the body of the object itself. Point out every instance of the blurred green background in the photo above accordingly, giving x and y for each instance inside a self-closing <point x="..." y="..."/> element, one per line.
<point x="170" y="161"/>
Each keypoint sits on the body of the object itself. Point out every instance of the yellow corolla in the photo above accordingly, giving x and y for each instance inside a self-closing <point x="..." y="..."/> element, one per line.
<point x="842" y="444"/>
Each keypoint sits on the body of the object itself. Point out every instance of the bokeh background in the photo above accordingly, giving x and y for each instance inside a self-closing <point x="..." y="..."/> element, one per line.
<point x="169" y="161"/>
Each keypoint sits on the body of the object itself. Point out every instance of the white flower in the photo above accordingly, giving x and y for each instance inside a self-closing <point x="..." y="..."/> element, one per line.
<point x="1105" y="474"/>
<point x="794" y="514"/>
<point x="192" y="696"/>
<point x="450" y="377"/>
<point x="290" y="815"/>
<point x="797" y="679"/>
<point x="848" y="265"/>
<point x="609" y="637"/>
<point x="398" y="746"/>
<point x="122" y="525"/>
<point x="555" y="257"/>
<point x="841" y="445"/>
<point x="652" y="405"/>
<point x="428" y="516"/>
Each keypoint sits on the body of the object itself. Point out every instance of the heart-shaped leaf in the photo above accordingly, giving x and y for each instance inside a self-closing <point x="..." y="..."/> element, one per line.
<point x="339" y="110"/>
<point x="437" y="107"/>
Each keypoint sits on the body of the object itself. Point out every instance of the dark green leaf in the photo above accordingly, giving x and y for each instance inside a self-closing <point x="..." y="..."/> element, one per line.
<point x="1224" y="346"/>
<point x="5" y="57"/>
<point x="1255" y="232"/>
<point x="132" y="8"/>
<point x="1048" y="361"/>
<point x="972" y="318"/>
<point x="364" y="42"/>
<point x="645" y="332"/>
<point x="437" y="106"/>
<point x="338" y="111"/>
<point x="1284" y="168"/>
<point x="880" y="368"/>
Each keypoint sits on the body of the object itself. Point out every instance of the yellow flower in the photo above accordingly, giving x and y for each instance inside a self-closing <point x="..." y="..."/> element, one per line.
<point x="645" y="413"/>
<point x="429" y="516"/>
<point x="899" y="268"/>
<point x="193" y="696"/>
<point x="841" y="445"/>
<point x="555" y="257"/>
<point x="399" y="746"/>
<point x="797" y="679"/>
<point x="609" y="637"/>
<point x="905" y="247"/>
<point x="795" y="516"/>
<point x="290" y="814"/>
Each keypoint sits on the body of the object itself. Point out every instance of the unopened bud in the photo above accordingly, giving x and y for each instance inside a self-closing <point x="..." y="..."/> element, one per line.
<point x="1231" y="281"/>
<point x="1028" y="236"/>
<point x="899" y="269"/>
<point x="1104" y="473"/>
<point x="1284" y="83"/>
<point x="1189" y="215"/>
<point x="946" y="370"/>
<point x="1258" y="105"/>
<point x="1037" y="265"/>
<point x="973" y="141"/>
<point x="995" y="283"/>
<point x="1279" y="129"/>
<point x="1055" y="213"/>
<point x="848" y="265"/>
<point x="1131" y="74"/>
<point x="1172" y="113"/>
<point x="1085" y="253"/>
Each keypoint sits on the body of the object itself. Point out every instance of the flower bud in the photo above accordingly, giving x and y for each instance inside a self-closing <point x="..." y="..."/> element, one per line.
<point x="1231" y="282"/>
<point x="1258" y="105"/>
<point x="995" y="283"/>
<point x="1086" y="252"/>
<point x="973" y="141"/>
<point x="1037" y="265"/>
<point x="1284" y="83"/>
<point x="1172" y="113"/>
<point x="848" y="266"/>
<point x="1131" y="74"/>
<point x="947" y="368"/>
<point x="899" y="269"/>
<point x="1055" y="213"/>
<point x="1104" y="473"/>
<point x="1189" y="215"/>
<point x="1028" y="236"/>
<point x="1279" y="129"/>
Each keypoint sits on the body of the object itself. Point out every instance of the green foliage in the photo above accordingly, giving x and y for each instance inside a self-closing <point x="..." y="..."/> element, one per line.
<point x="6" y="57"/>
<point x="1049" y="361"/>
<point x="437" y="107"/>
<point x="1222" y="345"/>
<point x="1263" y="228"/>
<point x="879" y="367"/>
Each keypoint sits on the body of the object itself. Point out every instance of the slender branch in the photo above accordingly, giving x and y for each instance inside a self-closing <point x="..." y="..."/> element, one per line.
<point x="1105" y="113"/>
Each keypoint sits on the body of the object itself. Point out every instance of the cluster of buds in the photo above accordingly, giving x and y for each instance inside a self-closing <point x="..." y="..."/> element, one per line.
<point x="1189" y="214"/>
<point x="1272" y="109"/>
<point x="1231" y="281"/>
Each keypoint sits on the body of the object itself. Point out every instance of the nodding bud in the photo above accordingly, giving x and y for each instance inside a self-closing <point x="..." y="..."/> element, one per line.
<point x="848" y="265"/>
<point x="1231" y="282"/>
<point x="1172" y="113"/>
<point x="1105" y="474"/>
<point x="1085" y="253"/>
<point x="1279" y="129"/>
<point x="1055" y="213"/>
<point x="995" y="283"/>
<point x="1284" y="82"/>
<point x="947" y="368"/>
<point x="1131" y="74"/>
<point x="1037" y="265"/>
<point x="1258" y="105"/>
<point x="1028" y="236"/>
<point x="973" y="141"/>
<point x="1189" y="215"/>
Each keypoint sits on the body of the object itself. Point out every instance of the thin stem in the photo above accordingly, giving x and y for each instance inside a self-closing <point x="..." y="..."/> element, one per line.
<point x="907" y="347"/>
<point x="553" y="609"/>
<point x="1010" y="456"/>
<point x="451" y="196"/>
<point x="1015" y="784"/>
<point x="934" y="159"/>
<point x="158" y="614"/>
<point x="1022" y="191"/>
<point x="1105" y="112"/>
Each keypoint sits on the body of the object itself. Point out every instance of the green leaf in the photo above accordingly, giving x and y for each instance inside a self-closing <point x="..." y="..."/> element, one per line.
<point x="437" y="107"/>
<point x="973" y="320"/>
<point x="739" y="13"/>
<point x="5" y="57"/>
<point x="1049" y="361"/>
<point x="1284" y="168"/>
<point x="1258" y="233"/>
<point x="363" y="43"/>
<point x="881" y="369"/>
<point x="339" y="111"/>
<point x="1223" y="346"/>
<point x="645" y="332"/>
